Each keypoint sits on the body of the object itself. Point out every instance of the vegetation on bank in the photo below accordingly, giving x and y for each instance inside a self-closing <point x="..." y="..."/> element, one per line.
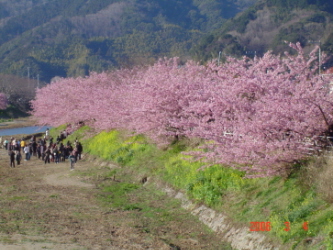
<point x="10" y="113"/>
<point x="88" y="209"/>
<point x="298" y="206"/>
<point x="153" y="215"/>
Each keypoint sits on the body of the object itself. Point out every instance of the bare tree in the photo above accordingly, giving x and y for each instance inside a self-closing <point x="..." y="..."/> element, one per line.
<point x="19" y="91"/>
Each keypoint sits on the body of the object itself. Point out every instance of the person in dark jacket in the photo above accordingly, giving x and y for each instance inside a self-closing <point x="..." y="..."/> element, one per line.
<point x="18" y="157"/>
<point x="34" y="147"/>
<point x="12" y="158"/>
<point x="79" y="150"/>
<point x="47" y="155"/>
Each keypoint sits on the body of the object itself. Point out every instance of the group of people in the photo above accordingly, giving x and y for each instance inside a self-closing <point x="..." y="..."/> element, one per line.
<point x="44" y="149"/>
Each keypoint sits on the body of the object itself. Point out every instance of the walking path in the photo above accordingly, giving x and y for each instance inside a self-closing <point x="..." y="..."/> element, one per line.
<point x="47" y="206"/>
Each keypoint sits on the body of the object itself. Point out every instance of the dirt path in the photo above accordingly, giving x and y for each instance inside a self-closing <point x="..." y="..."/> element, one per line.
<point x="47" y="206"/>
<point x="39" y="205"/>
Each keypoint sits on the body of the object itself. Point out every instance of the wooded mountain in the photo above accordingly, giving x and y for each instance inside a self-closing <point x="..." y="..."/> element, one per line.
<point x="70" y="38"/>
<point x="268" y="25"/>
<point x="48" y="38"/>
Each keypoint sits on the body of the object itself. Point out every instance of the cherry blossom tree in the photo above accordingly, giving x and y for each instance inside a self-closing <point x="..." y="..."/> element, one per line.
<point x="266" y="113"/>
<point x="260" y="114"/>
<point x="160" y="95"/>
<point x="95" y="100"/>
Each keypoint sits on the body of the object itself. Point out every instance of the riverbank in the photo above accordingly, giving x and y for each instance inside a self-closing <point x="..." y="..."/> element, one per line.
<point x="17" y="123"/>
<point x="290" y="212"/>
<point x="47" y="206"/>
<point x="293" y="212"/>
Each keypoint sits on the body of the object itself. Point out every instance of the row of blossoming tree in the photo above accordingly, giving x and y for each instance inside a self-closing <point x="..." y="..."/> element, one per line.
<point x="260" y="114"/>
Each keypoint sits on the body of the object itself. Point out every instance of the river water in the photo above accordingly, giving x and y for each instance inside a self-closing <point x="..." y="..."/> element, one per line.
<point x="23" y="130"/>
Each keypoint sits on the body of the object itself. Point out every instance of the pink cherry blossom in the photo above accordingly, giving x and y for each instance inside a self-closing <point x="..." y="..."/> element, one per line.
<point x="259" y="115"/>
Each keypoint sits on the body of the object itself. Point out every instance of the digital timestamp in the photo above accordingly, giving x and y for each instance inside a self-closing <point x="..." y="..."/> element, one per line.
<point x="256" y="226"/>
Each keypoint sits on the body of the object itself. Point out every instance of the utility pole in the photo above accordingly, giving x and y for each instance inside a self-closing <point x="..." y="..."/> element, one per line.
<point x="37" y="81"/>
<point x="319" y="58"/>
<point x="28" y="72"/>
<point x="218" y="61"/>
<point x="220" y="56"/>
<point x="319" y="55"/>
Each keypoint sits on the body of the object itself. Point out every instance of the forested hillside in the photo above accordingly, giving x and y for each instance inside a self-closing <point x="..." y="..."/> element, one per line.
<point x="71" y="38"/>
<point x="268" y="24"/>
<point x="42" y="39"/>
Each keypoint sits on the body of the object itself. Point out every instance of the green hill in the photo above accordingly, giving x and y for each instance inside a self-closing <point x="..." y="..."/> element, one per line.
<point x="267" y="25"/>
<point x="42" y="39"/>
<point x="72" y="38"/>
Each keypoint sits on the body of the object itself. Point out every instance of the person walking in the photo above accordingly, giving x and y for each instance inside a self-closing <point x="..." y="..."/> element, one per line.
<point x="62" y="152"/>
<point x="34" y="147"/>
<point x="27" y="152"/>
<point x="18" y="157"/>
<point x="23" y="144"/>
<point x="79" y="150"/>
<point x="71" y="159"/>
<point x="56" y="154"/>
<point x="47" y="133"/>
<point x="9" y="145"/>
<point x="12" y="158"/>
<point x="42" y="151"/>
<point x="39" y="154"/>
<point x="47" y="155"/>
<point x="5" y="144"/>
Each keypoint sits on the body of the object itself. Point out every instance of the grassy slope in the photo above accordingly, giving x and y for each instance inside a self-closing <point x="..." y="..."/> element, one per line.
<point x="276" y="200"/>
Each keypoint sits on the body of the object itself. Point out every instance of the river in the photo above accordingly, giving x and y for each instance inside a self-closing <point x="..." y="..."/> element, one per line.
<point x="23" y="130"/>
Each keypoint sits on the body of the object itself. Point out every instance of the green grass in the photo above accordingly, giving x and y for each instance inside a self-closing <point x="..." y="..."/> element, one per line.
<point x="6" y="120"/>
<point x="115" y="195"/>
<point x="16" y="198"/>
<point x="276" y="200"/>
<point x="151" y="210"/>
